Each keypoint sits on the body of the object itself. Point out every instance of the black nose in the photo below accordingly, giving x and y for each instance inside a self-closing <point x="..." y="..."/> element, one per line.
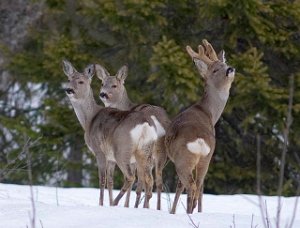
<point x="229" y="70"/>
<point x="103" y="95"/>
<point x="69" y="91"/>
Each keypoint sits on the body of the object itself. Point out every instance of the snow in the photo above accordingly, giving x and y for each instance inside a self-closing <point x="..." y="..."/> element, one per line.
<point x="78" y="207"/>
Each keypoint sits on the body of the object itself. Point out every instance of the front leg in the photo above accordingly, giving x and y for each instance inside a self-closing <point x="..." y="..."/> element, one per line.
<point x="101" y="163"/>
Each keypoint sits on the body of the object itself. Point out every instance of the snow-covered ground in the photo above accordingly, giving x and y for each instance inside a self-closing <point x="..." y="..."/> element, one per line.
<point x="78" y="207"/>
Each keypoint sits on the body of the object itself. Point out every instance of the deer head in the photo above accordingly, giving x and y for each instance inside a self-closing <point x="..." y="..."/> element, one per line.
<point x="212" y="67"/>
<point x="112" y="90"/>
<point x="79" y="85"/>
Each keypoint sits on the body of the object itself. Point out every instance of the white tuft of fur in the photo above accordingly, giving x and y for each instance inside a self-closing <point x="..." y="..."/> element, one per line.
<point x="109" y="154"/>
<point x="143" y="134"/>
<point x="223" y="94"/>
<point x="90" y="148"/>
<point x="199" y="146"/>
<point x="159" y="128"/>
<point x="132" y="159"/>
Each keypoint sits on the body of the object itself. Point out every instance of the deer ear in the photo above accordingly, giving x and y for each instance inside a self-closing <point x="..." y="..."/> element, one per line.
<point x="201" y="66"/>
<point x="89" y="71"/>
<point x="122" y="73"/>
<point x="101" y="72"/>
<point x="68" y="68"/>
<point x="221" y="56"/>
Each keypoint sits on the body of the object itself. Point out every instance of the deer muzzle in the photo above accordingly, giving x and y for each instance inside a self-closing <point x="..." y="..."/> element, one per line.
<point x="230" y="71"/>
<point x="69" y="91"/>
<point x="103" y="95"/>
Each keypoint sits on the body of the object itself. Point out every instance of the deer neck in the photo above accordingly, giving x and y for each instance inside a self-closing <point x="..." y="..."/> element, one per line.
<point x="214" y="100"/>
<point x="124" y="103"/>
<point x="85" y="109"/>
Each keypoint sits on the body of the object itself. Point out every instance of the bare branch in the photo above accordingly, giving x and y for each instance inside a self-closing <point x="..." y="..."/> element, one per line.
<point x="289" y="120"/>
<point x="295" y="207"/>
<point x="28" y="144"/>
<point x="190" y="218"/>
<point x="258" y="178"/>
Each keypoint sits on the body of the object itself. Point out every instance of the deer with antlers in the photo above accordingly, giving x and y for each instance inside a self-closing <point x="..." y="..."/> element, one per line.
<point x="113" y="94"/>
<point x="190" y="139"/>
<point x="117" y="137"/>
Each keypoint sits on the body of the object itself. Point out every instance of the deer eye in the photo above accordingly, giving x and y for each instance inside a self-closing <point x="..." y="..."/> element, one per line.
<point x="216" y="70"/>
<point x="80" y="82"/>
<point x="113" y="86"/>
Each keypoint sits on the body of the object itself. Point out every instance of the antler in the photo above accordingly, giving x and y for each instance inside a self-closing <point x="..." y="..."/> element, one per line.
<point x="210" y="52"/>
<point x="207" y="54"/>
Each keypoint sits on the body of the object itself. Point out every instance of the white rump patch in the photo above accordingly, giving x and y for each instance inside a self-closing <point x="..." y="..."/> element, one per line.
<point x="159" y="128"/>
<point x="199" y="146"/>
<point x="142" y="134"/>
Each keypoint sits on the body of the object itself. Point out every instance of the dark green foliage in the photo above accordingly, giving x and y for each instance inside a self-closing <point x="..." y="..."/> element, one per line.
<point x="261" y="40"/>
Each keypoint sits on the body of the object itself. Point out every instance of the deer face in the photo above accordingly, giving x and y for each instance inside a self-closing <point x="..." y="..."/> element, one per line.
<point x="79" y="84"/>
<point x="218" y="75"/>
<point x="112" y="89"/>
<point x="212" y="67"/>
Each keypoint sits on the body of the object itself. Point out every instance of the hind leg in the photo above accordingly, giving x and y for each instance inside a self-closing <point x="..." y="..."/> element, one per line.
<point x="133" y="168"/>
<point x="101" y="163"/>
<point x="144" y="166"/>
<point x="139" y="190"/>
<point x="179" y="190"/>
<point x="201" y="171"/>
<point x="160" y="160"/>
<point x="129" y="179"/>
<point x="185" y="175"/>
<point x="110" y="180"/>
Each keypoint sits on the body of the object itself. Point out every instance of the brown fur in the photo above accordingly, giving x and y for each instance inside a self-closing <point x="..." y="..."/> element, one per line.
<point x="195" y="122"/>
<point x="108" y="135"/>
<point x="113" y="94"/>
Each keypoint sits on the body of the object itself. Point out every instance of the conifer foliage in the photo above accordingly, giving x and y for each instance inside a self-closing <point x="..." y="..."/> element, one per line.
<point x="261" y="40"/>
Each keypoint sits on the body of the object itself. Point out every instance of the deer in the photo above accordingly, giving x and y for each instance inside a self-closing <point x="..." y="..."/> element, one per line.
<point x="125" y="138"/>
<point x="190" y="139"/>
<point x="114" y="94"/>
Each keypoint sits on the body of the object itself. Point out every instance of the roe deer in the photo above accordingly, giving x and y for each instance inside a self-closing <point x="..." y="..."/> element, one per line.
<point x="190" y="139"/>
<point x="114" y="136"/>
<point x="113" y="94"/>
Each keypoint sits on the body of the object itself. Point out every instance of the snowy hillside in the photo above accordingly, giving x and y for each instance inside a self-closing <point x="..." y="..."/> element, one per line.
<point x="77" y="207"/>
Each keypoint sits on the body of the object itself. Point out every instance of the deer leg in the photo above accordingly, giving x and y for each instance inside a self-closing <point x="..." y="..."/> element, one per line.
<point x="139" y="190"/>
<point x="201" y="171"/>
<point x="110" y="180"/>
<point x="129" y="179"/>
<point x="148" y="186"/>
<point x="200" y="198"/>
<point x="191" y="190"/>
<point x="186" y="177"/>
<point x="133" y="168"/>
<point x="161" y="158"/>
<point x="179" y="190"/>
<point x="144" y="167"/>
<point x="101" y="162"/>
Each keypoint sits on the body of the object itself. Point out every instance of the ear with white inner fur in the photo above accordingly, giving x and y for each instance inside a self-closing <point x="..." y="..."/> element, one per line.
<point x="201" y="66"/>
<point x="68" y="68"/>
<point x="122" y="73"/>
<point x="221" y="56"/>
<point x="89" y="71"/>
<point x="101" y="72"/>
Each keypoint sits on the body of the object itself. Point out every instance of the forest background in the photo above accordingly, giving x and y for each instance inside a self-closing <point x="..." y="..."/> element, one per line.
<point x="261" y="40"/>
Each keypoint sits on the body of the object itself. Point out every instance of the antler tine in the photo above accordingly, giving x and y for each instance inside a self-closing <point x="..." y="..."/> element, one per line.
<point x="209" y="50"/>
<point x="200" y="55"/>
